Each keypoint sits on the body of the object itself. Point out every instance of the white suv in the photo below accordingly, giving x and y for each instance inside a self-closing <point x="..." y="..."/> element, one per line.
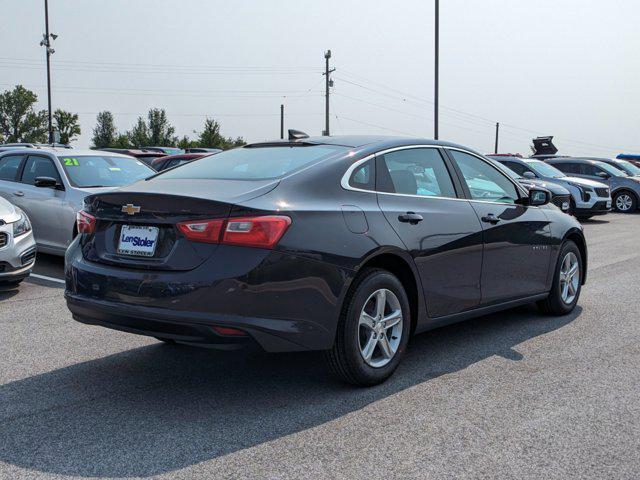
<point x="17" y="245"/>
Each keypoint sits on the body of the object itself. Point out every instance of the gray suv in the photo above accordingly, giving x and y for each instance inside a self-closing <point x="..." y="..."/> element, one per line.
<point x="588" y="197"/>
<point x="625" y="189"/>
<point x="50" y="184"/>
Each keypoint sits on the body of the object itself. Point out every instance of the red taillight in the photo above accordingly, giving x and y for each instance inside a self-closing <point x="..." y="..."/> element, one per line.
<point x="261" y="232"/>
<point x="207" y="231"/>
<point x="85" y="222"/>
<point x="230" y="332"/>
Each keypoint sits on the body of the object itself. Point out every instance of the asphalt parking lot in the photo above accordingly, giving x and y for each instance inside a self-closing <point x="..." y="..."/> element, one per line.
<point x="511" y="395"/>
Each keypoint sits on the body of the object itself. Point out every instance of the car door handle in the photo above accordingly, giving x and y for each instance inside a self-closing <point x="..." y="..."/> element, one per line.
<point x="490" y="218"/>
<point x="410" y="217"/>
<point x="19" y="194"/>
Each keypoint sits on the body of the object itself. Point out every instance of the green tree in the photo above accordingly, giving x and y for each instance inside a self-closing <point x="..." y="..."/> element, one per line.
<point x="161" y="132"/>
<point x="104" y="133"/>
<point x="139" y="134"/>
<point x="67" y="124"/>
<point x="121" y="141"/>
<point x="185" y="142"/>
<point x="210" y="137"/>
<point x="19" y="121"/>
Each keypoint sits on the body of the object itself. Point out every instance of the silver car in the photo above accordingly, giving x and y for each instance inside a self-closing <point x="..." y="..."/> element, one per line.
<point x="625" y="188"/>
<point x="50" y="185"/>
<point x="588" y="197"/>
<point x="17" y="246"/>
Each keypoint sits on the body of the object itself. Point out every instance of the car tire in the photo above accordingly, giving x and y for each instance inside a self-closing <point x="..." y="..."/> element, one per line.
<point x="565" y="291"/>
<point x="363" y="333"/>
<point x="625" y="202"/>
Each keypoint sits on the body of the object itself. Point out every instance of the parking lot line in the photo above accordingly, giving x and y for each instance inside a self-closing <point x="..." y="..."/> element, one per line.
<point x="49" y="279"/>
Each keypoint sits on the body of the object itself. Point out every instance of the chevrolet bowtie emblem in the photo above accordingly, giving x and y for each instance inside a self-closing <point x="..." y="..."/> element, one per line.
<point x="130" y="209"/>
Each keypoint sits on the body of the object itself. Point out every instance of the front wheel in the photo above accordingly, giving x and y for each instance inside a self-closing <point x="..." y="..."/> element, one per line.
<point x="373" y="330"/>
<point x="625" y="202"/>
<point x="567" y="282"/>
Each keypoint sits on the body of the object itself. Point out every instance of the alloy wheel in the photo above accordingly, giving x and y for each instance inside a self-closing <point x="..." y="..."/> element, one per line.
<point x="380" y="328"/>
<point x="569" y="278"/>
<point x="623" y="202"/>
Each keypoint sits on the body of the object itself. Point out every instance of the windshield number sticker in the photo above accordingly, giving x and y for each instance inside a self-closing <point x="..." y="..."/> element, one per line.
<point x="71" y="162"/>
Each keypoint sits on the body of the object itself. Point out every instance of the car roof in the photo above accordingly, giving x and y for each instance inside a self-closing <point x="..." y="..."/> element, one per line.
<point x="62" y="152"/>
<point x="376" y="142"/>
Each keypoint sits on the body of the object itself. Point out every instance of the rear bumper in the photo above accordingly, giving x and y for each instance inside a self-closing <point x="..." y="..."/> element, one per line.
<point x="282" y="302"/>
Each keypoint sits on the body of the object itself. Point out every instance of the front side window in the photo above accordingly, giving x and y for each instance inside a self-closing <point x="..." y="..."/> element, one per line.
<point x="9" y="167"/>
<point x="543" y="169"/>
<point x="610" y="169"/>
<point x="39" y="167"/>
<point x="484" y="181"/>
<point x="85" y="171"/>
<point x="254" y="163"/>
<point x="516" y="167"/>
<point x="416" y="171"/>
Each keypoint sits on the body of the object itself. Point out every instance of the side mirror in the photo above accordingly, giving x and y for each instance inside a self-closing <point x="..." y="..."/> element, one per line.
<point x="46" y="182"/>
<point x="539" y="196"/>
<point x="529" y="175"/>
<point x="602" y="174"/>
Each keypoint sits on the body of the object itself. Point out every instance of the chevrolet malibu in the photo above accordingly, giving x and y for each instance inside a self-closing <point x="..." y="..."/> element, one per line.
<point x="344" y="244"/>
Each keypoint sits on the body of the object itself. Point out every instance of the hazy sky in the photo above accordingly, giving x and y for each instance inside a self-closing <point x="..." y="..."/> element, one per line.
<point x="569" y="68"/>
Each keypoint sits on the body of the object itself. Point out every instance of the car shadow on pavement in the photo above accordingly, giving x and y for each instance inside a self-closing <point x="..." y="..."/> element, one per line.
<point x="8" y="291"/>
<point x="159" y="408"/>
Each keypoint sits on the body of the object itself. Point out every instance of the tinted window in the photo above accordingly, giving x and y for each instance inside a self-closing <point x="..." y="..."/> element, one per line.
<point x="484" y="181"/>
<point x="516" y="167"/>
<point x="363" y="176"/>
<point x="9" y="167"/>
<point x="39" y="167"/>
<point x="103" y="170"/>
<point x="419" y="171"/>
<point x="254" y="163"/>
<point x="586" y="169"/>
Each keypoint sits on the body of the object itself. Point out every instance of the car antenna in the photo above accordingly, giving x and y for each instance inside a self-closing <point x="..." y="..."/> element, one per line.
<point x="297" y="135"/>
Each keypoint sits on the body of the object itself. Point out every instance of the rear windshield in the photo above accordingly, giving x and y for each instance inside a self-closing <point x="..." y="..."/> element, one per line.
<point x="86" y="171"/>
<point x="254" y="163"/>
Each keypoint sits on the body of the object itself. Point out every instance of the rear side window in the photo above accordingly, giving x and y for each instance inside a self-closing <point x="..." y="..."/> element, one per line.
<point x="254" y="163"/>
<point x="39" y="167"/>
<point x="567" y="167"/>
<point x="416" y="171"/>
<point x="9" y="167"/>
<point x="363" y="177"/>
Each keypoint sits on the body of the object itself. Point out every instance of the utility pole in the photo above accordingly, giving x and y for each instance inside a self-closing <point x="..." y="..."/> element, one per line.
<point x="328" y="83"/>
<point x="497" y="130"/>
<point x="436" y="71"/>
<point x="281" y="122"/>
<point x="46" y="42"/>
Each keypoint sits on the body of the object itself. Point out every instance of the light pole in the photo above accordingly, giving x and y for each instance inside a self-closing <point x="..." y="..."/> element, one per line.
<point x="47" y="38"/>
<point x="328" y="83"/>
<point x="436" y="71"/>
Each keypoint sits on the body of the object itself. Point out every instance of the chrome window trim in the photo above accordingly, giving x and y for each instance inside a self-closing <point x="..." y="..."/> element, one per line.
<point x="344" y="182"/>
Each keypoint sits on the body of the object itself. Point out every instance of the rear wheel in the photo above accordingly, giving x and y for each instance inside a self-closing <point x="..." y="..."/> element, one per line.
<point x="373" y="330"/>
<point x="625" y="202"/>
<point x="567" y="282"/>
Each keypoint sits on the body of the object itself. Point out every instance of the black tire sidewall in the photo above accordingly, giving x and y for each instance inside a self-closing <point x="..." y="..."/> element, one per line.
<point x="634" y="202"/>
<point x="555" y="296"/>
<point x="373" y="281"/>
